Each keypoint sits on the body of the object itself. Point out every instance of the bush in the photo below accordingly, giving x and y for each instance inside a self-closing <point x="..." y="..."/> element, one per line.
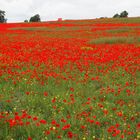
<point x="124" y="14"/>
<point x="35" y="18"/>
<point x="2" y="17"/>
<point x="116" y="16"/>
<point x="25" y="20"/>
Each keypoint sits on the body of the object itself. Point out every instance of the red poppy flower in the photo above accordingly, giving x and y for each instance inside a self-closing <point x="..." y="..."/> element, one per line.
<point x="66" y="127"/>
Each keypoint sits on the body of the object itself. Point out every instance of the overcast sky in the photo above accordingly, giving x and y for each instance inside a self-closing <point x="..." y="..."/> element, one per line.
<point x="19" y="10"/>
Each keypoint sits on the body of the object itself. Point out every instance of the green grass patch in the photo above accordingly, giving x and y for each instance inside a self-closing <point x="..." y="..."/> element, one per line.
<point x="48" y="28"/>
<point x="103" y="20"/>
<point x="120" y="30"/>
<point x="114" y="40"/>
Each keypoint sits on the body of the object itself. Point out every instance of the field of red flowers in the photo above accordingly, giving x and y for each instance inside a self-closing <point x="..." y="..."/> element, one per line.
<point x="69" y="79"/>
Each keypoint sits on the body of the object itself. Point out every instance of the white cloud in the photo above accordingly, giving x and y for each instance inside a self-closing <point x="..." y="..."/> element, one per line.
<point x="19" y="10"/>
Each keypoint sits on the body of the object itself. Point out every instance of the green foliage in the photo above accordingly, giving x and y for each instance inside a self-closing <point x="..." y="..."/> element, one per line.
<point x="2" y="16"/>
<point x="25" y="20"/>
<point x="124" y="14"/>
<point x="35" y="18"/>
<point x="116" y="16"/>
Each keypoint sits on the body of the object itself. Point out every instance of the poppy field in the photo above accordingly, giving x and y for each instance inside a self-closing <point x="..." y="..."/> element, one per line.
<point x="72" y="79"/>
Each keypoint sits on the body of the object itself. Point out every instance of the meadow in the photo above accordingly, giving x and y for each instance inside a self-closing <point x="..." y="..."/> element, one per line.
<point x="72" y="79"/>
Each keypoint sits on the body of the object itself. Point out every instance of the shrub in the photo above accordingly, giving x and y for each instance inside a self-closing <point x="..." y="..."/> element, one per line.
<point x="35" y="18"/>
<point x="2" y="17"/>
<point x="124" y="14"/>
<point x="25" y="20"/>
<point x="116" y="16"/>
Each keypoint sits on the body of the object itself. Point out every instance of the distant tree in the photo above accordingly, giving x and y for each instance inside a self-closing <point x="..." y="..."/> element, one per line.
<point x="2" y="17"/>
<point x="35" y="18"/>
<point x="116" y="16"/>
<point x="25" y="20"/>
<point x="103" y="17"/>
<point x="124" y="14"/>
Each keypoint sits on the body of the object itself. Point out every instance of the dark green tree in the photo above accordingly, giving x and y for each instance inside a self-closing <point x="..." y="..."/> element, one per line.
<point x="124" y="14"/>
<point x="25" y="20"/>
<point x="35" y="18"/>
<point x="116" y="16"/>
<point x="2" y="17"/>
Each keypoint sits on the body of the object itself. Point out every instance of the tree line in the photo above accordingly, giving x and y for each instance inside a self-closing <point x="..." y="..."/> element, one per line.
<point x="121" y="15"/>
<point x="36" y="18"/>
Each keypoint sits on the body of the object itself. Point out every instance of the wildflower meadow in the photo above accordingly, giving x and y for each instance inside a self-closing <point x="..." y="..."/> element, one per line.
<point x="71" y="79"/>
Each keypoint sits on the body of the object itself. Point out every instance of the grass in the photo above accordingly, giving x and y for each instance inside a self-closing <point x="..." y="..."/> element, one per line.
<point x="114" y="40"/>
<point x="120" y="30"/>
<point x="52" y="29"/>
<point x="105" y="20"/>
<point x="39" y="105"/>
<point x="56" y="83"/>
